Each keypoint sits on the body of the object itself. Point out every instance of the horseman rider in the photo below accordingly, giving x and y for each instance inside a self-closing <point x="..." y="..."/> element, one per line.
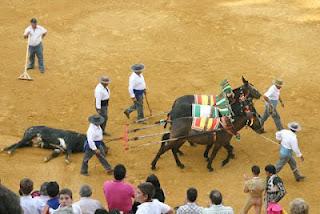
<point x="224" y="107"/>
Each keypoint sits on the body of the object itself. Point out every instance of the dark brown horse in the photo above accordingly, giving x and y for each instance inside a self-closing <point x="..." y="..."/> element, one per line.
<point x="181" y="130"/>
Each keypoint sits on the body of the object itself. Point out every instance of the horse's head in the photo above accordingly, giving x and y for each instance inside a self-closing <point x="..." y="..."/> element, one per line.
<point x="253" y="119"/>
<point x="249" y="90"/>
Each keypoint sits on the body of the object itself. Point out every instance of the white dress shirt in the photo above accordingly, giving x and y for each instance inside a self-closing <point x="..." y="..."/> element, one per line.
<point x="75" y="209"/>
<point x="153" y="207"/>
<point x="136" y="82"/>
<point x="88" y="205"/>
<point x="42" y="201"/>
<point x="29" y="205"/>
<point x="35" y="34"/>
<point x="101" y="93"/>
<point x="273" y="93"/>
<point x="289" y="140"/>
<point x="94" y="133"/>
<point x="218" y="209"/>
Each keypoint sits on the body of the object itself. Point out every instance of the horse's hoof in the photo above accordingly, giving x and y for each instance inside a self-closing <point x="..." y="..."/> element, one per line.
<point x="9" y="152"/>
<point x="2" y="150"/>
<point x="45" y="159"/>
<point x="232" y="156"/>
<point x="224" y="163"/>
<point x="153" y="167"/>
<point x="67" y="161"/>
<point x="181" y="166"/>
<point x="210" y="169"/>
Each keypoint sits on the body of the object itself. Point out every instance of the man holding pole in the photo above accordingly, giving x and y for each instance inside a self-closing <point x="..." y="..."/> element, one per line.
<point x="137" y="88"/>
<point x="35" y="33"/>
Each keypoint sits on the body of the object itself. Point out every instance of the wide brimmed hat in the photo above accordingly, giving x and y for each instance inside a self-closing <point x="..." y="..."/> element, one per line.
<point x="137" y="67"/>
<point x="105" y="80"/>
<point x="294" y="126"/>
<point x="96" y="119"/>
<point x="278" y="82"/>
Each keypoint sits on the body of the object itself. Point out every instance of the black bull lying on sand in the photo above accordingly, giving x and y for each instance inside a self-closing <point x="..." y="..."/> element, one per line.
<point x="181" y="126"/>
<point x="49" y="138"/>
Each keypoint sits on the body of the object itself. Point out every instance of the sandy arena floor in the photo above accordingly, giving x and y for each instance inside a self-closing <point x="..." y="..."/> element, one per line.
<point x="188" y="47"/>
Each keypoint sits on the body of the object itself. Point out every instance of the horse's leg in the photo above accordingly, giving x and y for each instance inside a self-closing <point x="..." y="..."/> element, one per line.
<point x="175" y="150"/>
<point x="213" y="155"/>
<point x="212" y="139"/>
<point x="206" y="152"/>
<point x="55" y="153"/>
<point x="163" y="148"/>
<point x="229" y="149"/>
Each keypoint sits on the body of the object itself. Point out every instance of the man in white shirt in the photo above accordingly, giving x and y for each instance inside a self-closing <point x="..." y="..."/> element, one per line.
<point x="28" y="204"/>
<point x="95" y="145"/>
<point x="191" y="206"/>
<point x="35" y="33"/>
<point x="87" y="204"/>
<point x="43" y="198"/>
<point x="102" y="95"/>
<point x="137" y="88"/>
<point x="272" y="97"/>
<point x="216" y="205"/>
<point x="144" y="194"/>
<point x="289" y="143"/>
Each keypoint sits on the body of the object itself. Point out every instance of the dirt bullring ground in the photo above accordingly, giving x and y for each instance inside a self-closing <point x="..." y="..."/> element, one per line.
<point x="188" y="47"/>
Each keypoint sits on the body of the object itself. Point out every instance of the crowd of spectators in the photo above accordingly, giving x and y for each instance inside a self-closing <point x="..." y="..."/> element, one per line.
<point x="147" y="198"/>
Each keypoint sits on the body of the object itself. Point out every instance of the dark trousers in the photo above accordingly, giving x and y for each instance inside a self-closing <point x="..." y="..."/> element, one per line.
<point x="36" y="50"/>
<point x="104" y="114"/>
<point x="137" y="106"/>
<point x="89" y="153"/>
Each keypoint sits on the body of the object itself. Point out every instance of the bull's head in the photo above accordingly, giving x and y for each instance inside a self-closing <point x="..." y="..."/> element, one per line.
<point x="37" y="141"/>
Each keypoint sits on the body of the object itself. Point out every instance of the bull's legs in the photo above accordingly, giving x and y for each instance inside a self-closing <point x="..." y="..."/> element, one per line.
<point x="213" y="155"/>
<point x="229" y="149"/>
<point x="55" y="153"/>
<point x="21" y="143"/>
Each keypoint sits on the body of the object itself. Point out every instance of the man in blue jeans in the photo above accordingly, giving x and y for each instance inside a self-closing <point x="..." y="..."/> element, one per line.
<point x="95" y="145"/>
<point x="35" y="33"/>
<point x="137" y="88"/>
<point x="272" y="97"/>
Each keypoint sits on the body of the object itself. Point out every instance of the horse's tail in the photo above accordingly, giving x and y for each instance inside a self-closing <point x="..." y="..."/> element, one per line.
<point x="164" y="138"/>
<point x="167" y="120"/>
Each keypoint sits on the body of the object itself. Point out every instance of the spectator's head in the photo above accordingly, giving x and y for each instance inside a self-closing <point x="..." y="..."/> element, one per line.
<point x="53" y="189"/>
<point x="119" y="172"/>
<point x="145" y="192"/>
<point x="43" y="189"/>
<point x="270" y="169"/>
<point x="10" y="202"/>
<point x="26" y="186"/>
<point x="216" y="197"/>
<point x="85" y="191"/>
<point x="255" y="170"/>
<point x="298" y="206"/>
<point x="154" y="180"/>
<point x="65" y="197"/>
<point x="192" y="194"/>
<point x="101" y="211"/>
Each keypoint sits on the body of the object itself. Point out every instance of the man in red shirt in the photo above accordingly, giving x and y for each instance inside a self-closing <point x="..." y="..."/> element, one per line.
<point x="118" y="194"/>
